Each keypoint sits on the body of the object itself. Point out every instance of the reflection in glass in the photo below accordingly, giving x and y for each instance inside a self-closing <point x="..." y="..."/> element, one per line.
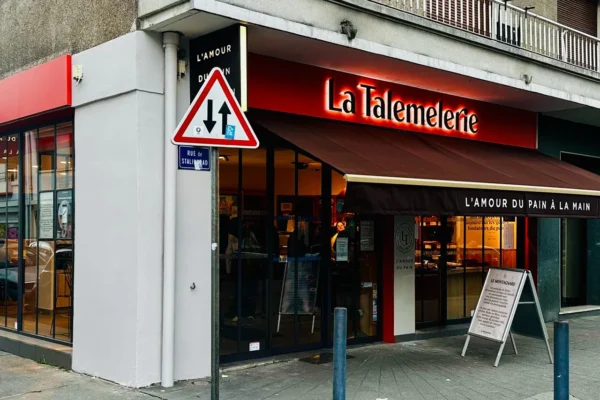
<point x="492" y="241"/>
<point x="418" y="269"/>
<point x="12" y="235"/>
<point x="63" y="283"/>
<point x="509" y="242"/>
<point x="47" y="264"/>
<point x="30" y="234"/>
<point x="252" y="237"/>
<point x="308" y="248"/>
<point x="473" y="261"/>
<point x="283" y="281"/>
<point x="455" y="267"/>
<point x="8" y="278"/>
<point x="427" y="274"/>
<point x="229" y="163"/>
<point x="64" y="156"/>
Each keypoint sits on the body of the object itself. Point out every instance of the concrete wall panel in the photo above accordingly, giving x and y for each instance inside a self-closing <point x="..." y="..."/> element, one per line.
<point x="34" y="31"/>
<point x="119" y="145"/>
<point x="147" y="7"/>
<point x="131" y="62"/>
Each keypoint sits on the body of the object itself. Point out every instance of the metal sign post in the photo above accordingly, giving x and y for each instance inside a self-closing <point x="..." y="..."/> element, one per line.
<point x="214" y="272"/>
<point x="200" y="127"/>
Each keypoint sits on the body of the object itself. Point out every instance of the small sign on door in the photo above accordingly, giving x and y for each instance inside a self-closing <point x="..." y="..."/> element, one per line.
<point x="254" y="346"/>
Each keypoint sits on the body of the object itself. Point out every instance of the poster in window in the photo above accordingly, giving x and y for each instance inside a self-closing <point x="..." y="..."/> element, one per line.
<point x="367" y="235"/>
<point x="64" y="201"/>
<point x="46" y="220"/>
<point x="341" y="249"/>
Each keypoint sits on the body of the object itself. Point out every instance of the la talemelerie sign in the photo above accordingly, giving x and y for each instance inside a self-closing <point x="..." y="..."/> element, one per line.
<point x="283" y="86"/>
<point x="384" y="104"/>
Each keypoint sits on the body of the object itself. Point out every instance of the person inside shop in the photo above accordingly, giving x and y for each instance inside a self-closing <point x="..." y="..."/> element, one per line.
<point x="340" y="227"/>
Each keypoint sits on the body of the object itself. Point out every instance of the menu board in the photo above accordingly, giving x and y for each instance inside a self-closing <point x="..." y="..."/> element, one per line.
<point x="508" y="304"/>
<point x="308" y="280"/>
<point x="46" y="220"/>
<point x="499" y="297"/>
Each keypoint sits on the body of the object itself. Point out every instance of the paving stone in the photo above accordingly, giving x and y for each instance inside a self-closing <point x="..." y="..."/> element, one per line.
<point x="424" y="370"/>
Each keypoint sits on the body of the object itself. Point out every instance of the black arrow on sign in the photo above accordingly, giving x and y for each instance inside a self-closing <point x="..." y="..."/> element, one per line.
<point x="209" y="122"/>
<point x="224" y="111"/>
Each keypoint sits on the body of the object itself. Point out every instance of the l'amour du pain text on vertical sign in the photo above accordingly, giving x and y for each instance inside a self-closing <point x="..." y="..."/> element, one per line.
<point x="404" y="275"/>
<point x="226" y="49"/>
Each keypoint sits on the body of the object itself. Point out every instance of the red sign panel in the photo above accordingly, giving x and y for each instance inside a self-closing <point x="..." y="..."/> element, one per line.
<point x="283" y="86"/>
<point x="39" y="89"/>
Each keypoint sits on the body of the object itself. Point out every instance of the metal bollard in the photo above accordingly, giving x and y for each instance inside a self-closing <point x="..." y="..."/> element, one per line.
<point x="561" y="360"/>
<point x="339" y="353"/>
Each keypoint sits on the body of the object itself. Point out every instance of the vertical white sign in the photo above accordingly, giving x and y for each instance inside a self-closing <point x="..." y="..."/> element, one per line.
<point x="46" y="220"/>
<point x="404" y="275"/>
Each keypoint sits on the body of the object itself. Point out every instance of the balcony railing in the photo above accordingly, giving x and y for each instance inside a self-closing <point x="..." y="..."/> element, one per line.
<point x="509" y="24"/>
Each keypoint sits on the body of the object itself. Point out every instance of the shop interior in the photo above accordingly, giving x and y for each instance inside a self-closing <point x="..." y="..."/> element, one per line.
<point x="36" y="231"/>
<point x="452" y="257"/>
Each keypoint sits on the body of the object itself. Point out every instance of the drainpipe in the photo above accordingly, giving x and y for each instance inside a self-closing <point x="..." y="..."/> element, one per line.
<point x="170" y="44"/>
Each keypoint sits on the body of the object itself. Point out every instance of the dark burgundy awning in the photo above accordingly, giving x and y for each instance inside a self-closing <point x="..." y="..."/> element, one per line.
<point x="398" y="172"/>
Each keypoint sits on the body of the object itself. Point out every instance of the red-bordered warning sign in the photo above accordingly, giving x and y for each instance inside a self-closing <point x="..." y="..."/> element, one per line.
<point x="215" y="118"/>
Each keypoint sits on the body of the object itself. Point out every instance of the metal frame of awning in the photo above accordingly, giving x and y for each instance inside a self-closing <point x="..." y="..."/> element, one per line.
<point x="391" y="180"/>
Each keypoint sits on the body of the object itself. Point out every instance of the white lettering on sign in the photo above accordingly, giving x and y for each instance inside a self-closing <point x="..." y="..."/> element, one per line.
<point x="381" y="104"/>
<point x="491" y="202"/>
<point x="219" y="51"/>
<point x="204" y="77"/>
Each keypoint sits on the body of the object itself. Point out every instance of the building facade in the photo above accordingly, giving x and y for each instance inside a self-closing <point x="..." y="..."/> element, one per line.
<point x="406" y="148"/>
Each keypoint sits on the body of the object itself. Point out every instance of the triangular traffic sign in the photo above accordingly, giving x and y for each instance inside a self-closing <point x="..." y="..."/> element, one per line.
<point x="215" y="118"/>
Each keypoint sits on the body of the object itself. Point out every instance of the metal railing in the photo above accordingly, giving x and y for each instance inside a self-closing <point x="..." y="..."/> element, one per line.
<point x="509" y="24"/>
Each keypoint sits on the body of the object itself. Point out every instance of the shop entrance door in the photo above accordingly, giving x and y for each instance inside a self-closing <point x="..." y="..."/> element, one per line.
<point x="355" y="273"/>
<point x="430" y="266"/>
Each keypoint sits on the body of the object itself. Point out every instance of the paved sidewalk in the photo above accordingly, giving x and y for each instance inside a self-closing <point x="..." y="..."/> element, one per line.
<point x="424" y="370"/>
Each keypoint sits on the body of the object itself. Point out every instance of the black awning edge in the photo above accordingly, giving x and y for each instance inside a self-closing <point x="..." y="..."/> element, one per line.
<point x="383" y="199"/>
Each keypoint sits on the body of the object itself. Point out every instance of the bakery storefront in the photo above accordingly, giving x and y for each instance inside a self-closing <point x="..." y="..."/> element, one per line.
<point x="386" y="199"/>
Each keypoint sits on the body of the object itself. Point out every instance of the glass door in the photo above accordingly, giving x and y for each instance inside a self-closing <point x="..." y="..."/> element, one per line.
<point x="430" y="248"/>
<point x="355" y="274"/>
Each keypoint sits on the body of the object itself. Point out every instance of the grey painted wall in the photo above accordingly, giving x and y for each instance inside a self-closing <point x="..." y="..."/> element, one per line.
<point x="34" y="31"/>
<point x="119" y="142"/>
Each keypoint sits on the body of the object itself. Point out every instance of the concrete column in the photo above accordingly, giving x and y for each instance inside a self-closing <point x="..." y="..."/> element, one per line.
<point x="119" y="198"/>
<point x="193" y="238"/>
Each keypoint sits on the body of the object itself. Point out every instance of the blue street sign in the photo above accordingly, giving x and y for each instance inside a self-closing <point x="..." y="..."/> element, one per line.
<point x="194" y="158"/>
